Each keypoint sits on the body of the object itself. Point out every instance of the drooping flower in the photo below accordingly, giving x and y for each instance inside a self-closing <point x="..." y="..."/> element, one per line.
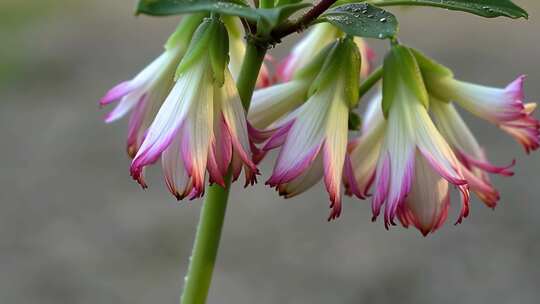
<point x="308" y="47"/>
<point x="237" y="50"/>
<point x="503" y="107"/>
<point x="144" y="94"/>
<point x="201" y="125"/>
<point x="312" y="139"/>
<point x="410" y="165"/>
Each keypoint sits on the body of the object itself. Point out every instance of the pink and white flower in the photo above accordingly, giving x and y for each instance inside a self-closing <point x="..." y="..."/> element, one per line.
<point x="504" y="107"/>
<point x="405" y="157"/>
<point x="309" y="46"/>
<point x="313" y="144"/>
<point x="414" y="169"/>
<point x="144" y="94"/>
<point x="312" y="139"/>
<point x="200" y="127"/>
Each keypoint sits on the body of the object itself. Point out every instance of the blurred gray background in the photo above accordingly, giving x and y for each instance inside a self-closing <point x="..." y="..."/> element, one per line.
<point x="74" y="227"/>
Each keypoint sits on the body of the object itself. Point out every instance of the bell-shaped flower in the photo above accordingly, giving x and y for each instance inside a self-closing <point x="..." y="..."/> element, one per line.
<point x="312" y="139"/>
<point x="309" y="46"/>
<point x="415" y="165"/>
<point x="144" y="94"/>
<point x="503" y="107"/>
<point x="237" y="50"/>
<point x="201" y="125"/>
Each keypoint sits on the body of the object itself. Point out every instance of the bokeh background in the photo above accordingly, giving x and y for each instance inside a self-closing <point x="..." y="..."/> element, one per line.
<point x="74" y="228"/>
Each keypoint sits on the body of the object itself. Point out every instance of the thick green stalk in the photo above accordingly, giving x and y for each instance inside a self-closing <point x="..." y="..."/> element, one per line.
<point x="370" y="81"/>
<point x="203" y="257"/>
<point x="205" y="248"/>
<point x="249" y="72"/>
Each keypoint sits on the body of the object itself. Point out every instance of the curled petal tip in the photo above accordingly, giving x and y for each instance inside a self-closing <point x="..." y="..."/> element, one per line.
<point x="117" y="92"/>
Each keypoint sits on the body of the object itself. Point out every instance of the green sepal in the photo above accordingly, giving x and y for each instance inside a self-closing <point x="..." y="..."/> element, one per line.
<point x="401" y="72"/>
<point x="219" y="52"/>
<point x="342" y="63"/>
<point x="432" y="71"/>
<point x="351" y="65"/>
<point x="184" y="31"/>
<point x="355" y="122"/>
<point x="429" y="67"/>
<point x="198" y="46"/>
<point x="329" y="69"/>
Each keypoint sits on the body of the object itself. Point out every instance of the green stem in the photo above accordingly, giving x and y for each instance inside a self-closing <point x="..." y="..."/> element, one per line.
<point x="250" y="71"/>
<point x="369" y="82"/>
<point x="205" y="248"/>
<point x="266" y="3"/>
<point x="203" y="257"/>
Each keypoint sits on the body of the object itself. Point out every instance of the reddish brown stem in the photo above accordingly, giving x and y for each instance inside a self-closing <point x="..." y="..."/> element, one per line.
<point x="304" y="21"/>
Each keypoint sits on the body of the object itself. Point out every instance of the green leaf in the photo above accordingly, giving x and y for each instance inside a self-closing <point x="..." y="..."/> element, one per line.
<point x="484" y="8"/>
<point x="174" y="7"/>
<point x="270" y="16"/>
<point x="362" y="19"/>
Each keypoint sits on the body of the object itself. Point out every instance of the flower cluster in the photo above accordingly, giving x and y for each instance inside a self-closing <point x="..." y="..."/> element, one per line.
<point x="188" y="113"/>
<point x="413" y="144"/>
<point x="410" y="160"/>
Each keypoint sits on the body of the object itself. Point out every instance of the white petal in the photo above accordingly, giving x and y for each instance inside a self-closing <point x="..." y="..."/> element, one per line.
<point x="305" y="181"/>
<point x="304" y="139"/>
<point x="454" y="129"/>
<point x="373" y="114"/>
<point x="184" y="95"/>
<point x="197" y="133"/>
<point x="320" y="35"/>
<point x="364" y="156"/>
<point x="231" y="108"/>
<point x="432" y="144"/>
<point x="428" y="199"/>
<point x="335" y="144"/>
<point x="176" y="177"/>
<point x="270" y="104"/>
